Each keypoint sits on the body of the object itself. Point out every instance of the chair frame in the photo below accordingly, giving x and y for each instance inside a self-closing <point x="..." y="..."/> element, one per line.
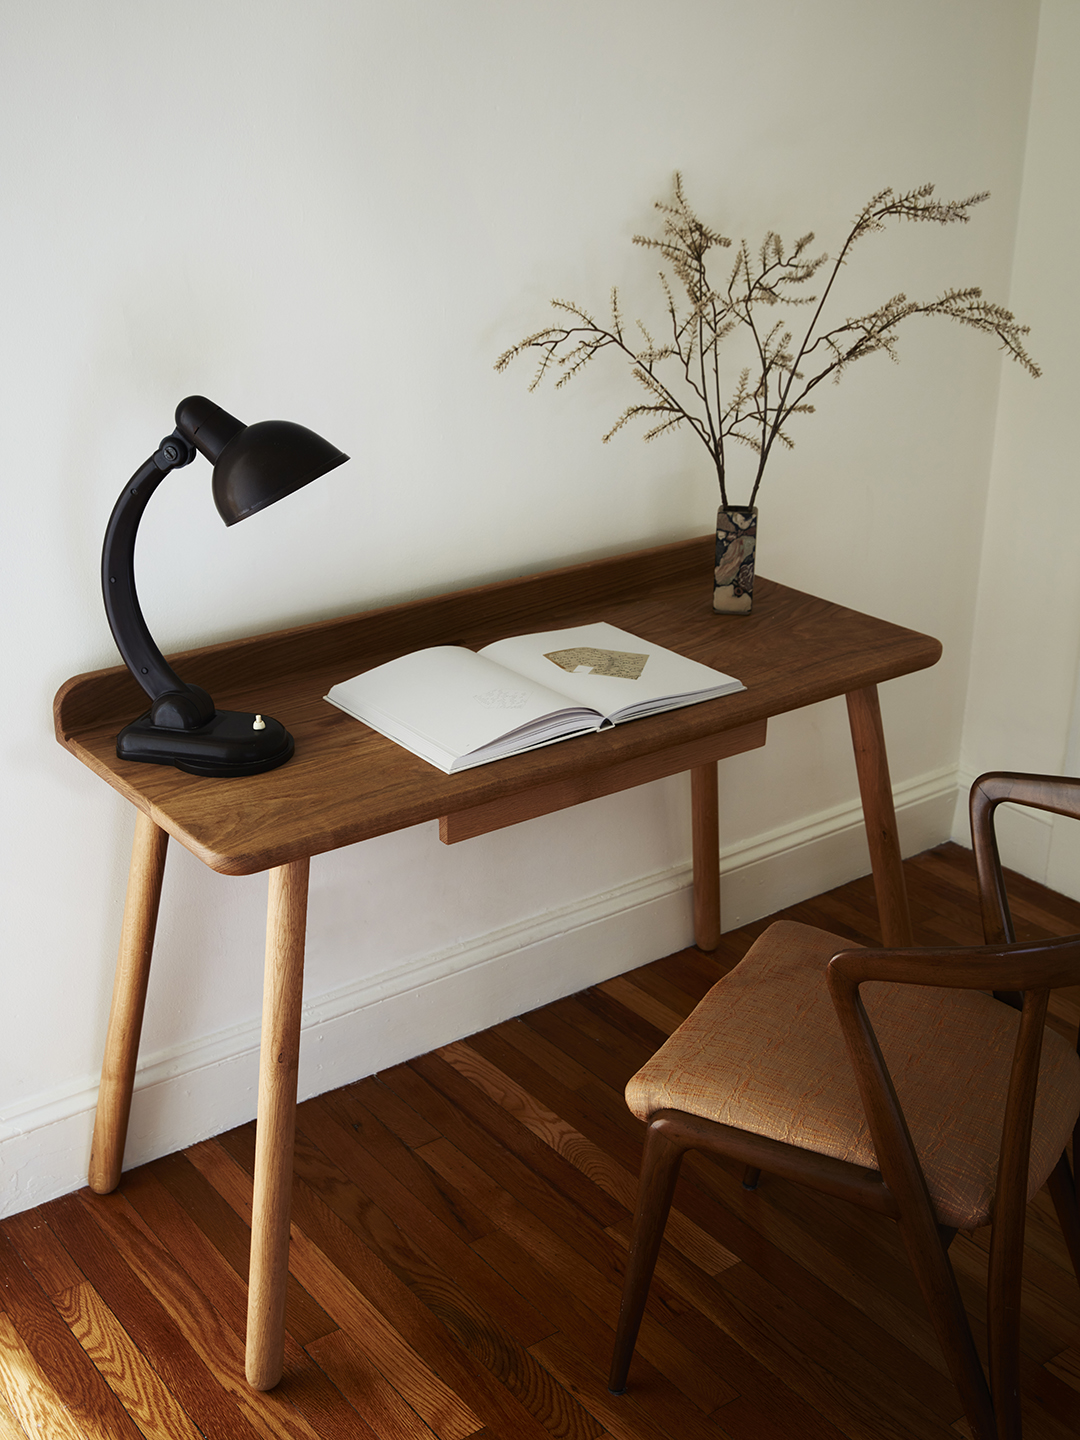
<point x="1019" y="974"/>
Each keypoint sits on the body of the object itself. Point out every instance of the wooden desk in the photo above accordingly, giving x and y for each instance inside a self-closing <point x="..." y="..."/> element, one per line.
<point x="347" y="783"/>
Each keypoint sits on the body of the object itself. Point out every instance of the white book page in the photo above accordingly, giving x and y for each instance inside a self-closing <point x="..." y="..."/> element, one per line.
<point x="665" y="676"/>
<point x="452" y="698"/>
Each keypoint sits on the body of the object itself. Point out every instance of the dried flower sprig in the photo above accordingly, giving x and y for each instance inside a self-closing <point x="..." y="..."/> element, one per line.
<point x="682" y="373"/>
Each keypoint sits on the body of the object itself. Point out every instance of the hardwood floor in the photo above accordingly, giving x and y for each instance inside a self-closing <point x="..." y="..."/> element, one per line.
<point x="460" y="1227"/>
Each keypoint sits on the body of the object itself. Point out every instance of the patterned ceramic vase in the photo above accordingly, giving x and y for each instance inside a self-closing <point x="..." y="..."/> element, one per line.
<point x="733" y="578"/>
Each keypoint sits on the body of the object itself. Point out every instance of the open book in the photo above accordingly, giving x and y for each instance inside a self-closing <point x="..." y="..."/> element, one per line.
<point x="457" y="708"/>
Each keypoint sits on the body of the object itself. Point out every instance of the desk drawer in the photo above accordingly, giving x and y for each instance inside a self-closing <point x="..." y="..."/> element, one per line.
<point x="544" y="799"/>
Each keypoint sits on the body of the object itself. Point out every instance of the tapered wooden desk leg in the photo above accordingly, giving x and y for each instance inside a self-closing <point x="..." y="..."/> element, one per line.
<point x="128" y="1003"/>
<point x="706" y="843"/>
<point x="871" y="762"/>
<point x="286" y="922"/>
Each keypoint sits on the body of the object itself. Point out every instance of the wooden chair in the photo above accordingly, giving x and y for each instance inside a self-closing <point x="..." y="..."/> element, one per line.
<point x="891" y="1079"/>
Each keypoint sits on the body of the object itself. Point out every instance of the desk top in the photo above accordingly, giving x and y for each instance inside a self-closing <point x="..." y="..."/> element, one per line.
<point x="346" y="783"/>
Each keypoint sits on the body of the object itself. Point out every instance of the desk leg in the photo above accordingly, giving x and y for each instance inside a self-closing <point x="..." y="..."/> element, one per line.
<point x="286" y="922"/>
<point x="871" y="762"/>
<point x="706" y="847"/>
<point x="128" y="1002"/>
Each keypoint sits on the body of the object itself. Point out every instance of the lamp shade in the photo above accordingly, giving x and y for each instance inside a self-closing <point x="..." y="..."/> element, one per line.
<point x="267" y="461"/>
<point x="254" y="465"/>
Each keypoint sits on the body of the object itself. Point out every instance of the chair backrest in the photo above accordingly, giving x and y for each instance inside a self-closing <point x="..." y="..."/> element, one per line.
<point x="1020" y="974"/>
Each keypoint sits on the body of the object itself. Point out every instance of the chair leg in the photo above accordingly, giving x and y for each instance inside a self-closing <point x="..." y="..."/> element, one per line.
<point x="750" y="1178"/>
<point x="1003" y="1282"/>
<point x="656" y="1187"/>
<point x="926" y="1252"/>
<point x="1062" y="1189"/>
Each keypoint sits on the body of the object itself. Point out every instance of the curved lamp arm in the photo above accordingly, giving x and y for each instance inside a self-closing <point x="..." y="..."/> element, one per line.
<point x="254" y="466"/>
<point x="175" y="705"/>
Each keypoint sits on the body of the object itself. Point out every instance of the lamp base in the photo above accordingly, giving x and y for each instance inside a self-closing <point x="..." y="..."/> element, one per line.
<point x="225" y="746"/>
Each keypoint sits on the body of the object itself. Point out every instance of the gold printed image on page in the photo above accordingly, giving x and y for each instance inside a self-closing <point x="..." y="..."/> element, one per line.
<point x="623" y="664"/>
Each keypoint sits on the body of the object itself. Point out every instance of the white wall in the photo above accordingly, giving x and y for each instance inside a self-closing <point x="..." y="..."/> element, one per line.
<point x="341" y="213"/>
<point x="1023" y="710"/>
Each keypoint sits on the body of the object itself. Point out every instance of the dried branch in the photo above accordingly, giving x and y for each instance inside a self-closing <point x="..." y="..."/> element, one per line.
<point x="759" y="408"/>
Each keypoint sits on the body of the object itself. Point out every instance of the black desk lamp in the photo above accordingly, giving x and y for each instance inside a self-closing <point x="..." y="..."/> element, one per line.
<point x="254" y="465"/>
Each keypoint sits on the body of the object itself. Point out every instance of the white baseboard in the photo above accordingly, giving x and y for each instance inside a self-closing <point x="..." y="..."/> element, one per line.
<point x="794" y="862"/>
<point x="200" y="1089"/>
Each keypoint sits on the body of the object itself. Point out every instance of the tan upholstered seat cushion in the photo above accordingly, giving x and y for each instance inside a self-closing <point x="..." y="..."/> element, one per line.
<point x="763" y="1052"/>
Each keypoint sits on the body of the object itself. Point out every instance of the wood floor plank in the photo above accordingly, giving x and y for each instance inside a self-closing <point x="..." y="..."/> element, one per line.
<point x="428" y="1258"/>
<point x="309" y="1392"/>
<point x="10" y="1429"/>
<point x="841" y="920"/>
<point x="568" y="1071"/>
<point x="1045" y="1316"/>
<point x="579" y="1295"/>
<point x="580" y="1233"/>
<point x="517" y="1139"/>
<point x="639" y="1036"/>
<point x="141" y="1391"/>
<point x="1037" y="912"/>
<point x="772" y="1409"/>
<point x="186" y="1245"/>
<point x="634" y="997"/>
<point x="668" y="1366"/>
<point x="551" y="1127"/>
<point x="794" y="1256"/>
<point x="399" y="1118"/>
<point x="865" y="1413"/>
<point x="348" y="1301"/>
<point x="34" y="1399"/>
<point x="389" y="1415"/>
<point x="377" y="1150"/>
<point x="590" y="1038"/>
<point x="212" y="1407"/>
<point x="1044" y="1392"/>
<point x="692" y="970"/>
<point x="57" y="1356"/>
<point x="943" y="906"/>
<point x="908" y="1354"/>
<point x="1045" y="1244"/>
<point x="657" y="981"/>
<point x="1066" y="1365"/>
<point x="598" y="1106"/>
<point x="646" y="1416"/>
<point x="824" y="1239"/>
<point x="231" y="1237"/>
<point x="41" y="1252"/>
<point x="856" y="1384"/>
<point x="400" y="1341"/>
<point x="216" y="1343"/>
<point x="359" y="1290"/>
<point x="590" y="1158"/>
